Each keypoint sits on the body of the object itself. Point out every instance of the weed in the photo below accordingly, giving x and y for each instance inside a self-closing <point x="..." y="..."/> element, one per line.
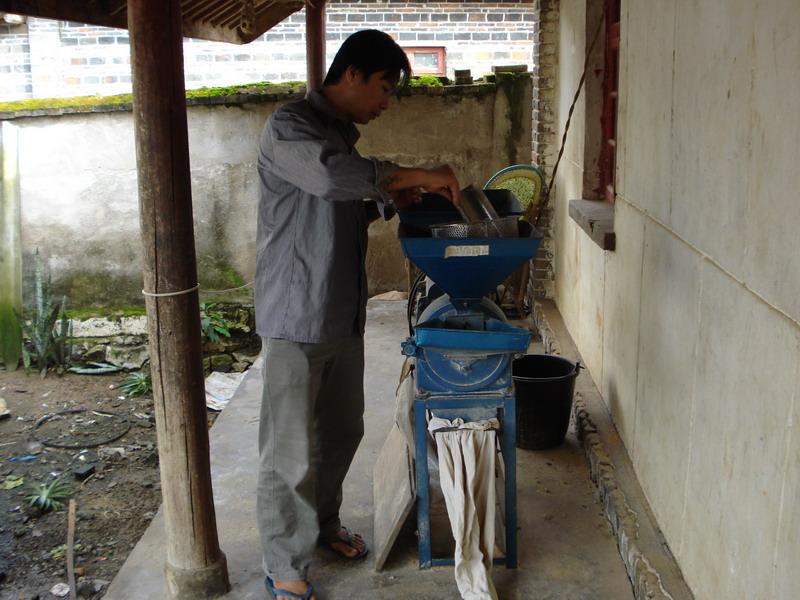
<point x="137" y="384"/>
<point x="213" y="323"/>
<point x="59" y="552"/>
<point x="48" y="496"/>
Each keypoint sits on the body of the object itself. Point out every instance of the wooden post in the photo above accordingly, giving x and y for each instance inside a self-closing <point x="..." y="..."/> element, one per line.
<point x="195" y="566"/>
<point x="315" y="44"/>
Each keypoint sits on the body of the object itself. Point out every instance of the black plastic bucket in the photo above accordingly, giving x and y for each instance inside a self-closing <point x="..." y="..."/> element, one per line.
<point x="543" y="387"/>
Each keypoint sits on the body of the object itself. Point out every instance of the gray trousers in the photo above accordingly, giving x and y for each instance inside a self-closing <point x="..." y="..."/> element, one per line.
<point x="312" y="410"/>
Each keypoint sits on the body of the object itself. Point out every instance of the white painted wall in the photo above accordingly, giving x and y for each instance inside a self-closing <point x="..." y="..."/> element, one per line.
<point x="691" y="328"/>
<point x="79" y="192"/>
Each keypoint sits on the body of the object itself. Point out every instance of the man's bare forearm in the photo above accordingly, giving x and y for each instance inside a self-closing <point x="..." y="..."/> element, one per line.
<point x="439" y="179"/>
<point x="403" y="178"/>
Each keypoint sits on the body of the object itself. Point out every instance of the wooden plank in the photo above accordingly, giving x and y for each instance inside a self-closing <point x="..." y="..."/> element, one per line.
<point x="613" y="36"/>
<point x="393" y="493"/>
<point x="73" y="594"/>
<point x="596" y="218"/>
<point x="101" y="12"/>
<point x="195" y="566"/>
<point x="265" y="20"/>
<point x="112" y="13"/>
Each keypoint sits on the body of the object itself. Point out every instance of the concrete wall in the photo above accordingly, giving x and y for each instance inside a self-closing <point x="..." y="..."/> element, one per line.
<point x="691" y="328"/>
<point x="78" y="183"/>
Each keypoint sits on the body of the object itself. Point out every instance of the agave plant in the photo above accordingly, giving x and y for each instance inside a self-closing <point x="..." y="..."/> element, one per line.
<point x="137" y="384"/>
<point x="48" y="496"/>
<point x="49" y="344"/>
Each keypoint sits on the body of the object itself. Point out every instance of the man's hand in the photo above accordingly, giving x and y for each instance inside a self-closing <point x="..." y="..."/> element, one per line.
<point x="407" y="197"/>
<point x="442" y="180"/>
<point x="439" y="180"/>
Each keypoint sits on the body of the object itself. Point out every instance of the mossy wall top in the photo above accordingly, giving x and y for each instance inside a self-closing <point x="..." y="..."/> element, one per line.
<point x="78" y="180"/>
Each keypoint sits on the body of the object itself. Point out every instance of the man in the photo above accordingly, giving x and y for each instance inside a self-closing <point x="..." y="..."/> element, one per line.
<point x="318" y="196"/>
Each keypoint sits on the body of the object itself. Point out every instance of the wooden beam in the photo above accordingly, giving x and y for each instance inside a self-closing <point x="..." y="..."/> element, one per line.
<point x="195" y="565"/>
<point x="201" y="19"/>
<point x="315" y="44"/>
<point x="269" y="15"/>
<point x="99" y="12"/>
<point x="234" y="35"/>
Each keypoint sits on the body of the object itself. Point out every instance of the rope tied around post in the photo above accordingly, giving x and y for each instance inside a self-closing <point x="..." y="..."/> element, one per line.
<point x="168" y="294"/>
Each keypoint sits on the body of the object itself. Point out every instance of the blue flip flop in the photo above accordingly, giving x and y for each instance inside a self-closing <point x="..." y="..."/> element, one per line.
<point x="286" y="593"/>
<point x="347" y="539"/>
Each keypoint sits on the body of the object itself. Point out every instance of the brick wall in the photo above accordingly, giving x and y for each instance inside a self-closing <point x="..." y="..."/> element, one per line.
<point x="14" y="62"/>
<point x="545" y="144"/>
<point x="55" y="59"/>
<point x="476" y="35"/>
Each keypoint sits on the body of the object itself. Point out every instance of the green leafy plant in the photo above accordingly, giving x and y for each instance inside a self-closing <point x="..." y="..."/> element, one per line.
<point x="60" y="551"/>
<point x="49" y="344"/>
<point x="137" y="384"/>
<point x="213" y="323"/>
<point x="48" y="496"/>
<point x="425" y="81"/>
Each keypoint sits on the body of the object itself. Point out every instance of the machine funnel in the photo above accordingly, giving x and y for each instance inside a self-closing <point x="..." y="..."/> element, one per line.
<point x="468" y="268"/>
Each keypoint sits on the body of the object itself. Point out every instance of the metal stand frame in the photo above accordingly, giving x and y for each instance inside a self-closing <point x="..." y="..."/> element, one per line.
<point x="508" y="437"/>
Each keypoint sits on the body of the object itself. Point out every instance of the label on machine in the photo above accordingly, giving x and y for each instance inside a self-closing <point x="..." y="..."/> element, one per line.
<point x="477" y="250"/>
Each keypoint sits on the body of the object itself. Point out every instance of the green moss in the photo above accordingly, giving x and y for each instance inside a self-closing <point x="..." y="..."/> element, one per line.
<point x="216" y="273"/>
<point x="248" y="88"/>
<point x="89" y="102"/>
<point x="87" y="289"/>
<point x="105" y="311"/>
<point x="76" y="102"/>
<point x="240" y="92"/>
<point x="425" y="81"/>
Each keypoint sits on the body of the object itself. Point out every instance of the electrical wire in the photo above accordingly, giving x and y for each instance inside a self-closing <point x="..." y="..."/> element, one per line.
<point x="541" y="206"/>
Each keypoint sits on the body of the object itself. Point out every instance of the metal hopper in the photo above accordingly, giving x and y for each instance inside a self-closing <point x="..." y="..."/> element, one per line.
<point x="467" y="268"/>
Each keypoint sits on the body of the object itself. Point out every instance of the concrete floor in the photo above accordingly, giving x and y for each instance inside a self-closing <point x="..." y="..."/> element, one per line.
<point x="567" y="550"/>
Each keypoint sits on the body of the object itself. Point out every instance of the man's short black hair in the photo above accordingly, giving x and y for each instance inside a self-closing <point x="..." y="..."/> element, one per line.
<point x="370" y="51"/>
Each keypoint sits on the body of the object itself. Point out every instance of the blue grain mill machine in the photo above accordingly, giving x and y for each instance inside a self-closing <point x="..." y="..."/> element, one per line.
<point x="462" y="344"/>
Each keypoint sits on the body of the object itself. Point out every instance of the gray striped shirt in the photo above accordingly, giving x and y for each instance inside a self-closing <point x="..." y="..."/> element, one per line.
<point x="317" y="197"/>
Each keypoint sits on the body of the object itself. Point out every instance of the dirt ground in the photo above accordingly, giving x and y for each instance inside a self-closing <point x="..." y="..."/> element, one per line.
<point x="116" y="495"/>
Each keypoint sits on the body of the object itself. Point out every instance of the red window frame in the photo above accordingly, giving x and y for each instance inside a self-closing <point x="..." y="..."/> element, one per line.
<point x="438" y="50"/>
<point x="608" y="117"/>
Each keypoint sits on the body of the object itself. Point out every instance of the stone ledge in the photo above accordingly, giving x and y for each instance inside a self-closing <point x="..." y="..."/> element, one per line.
<point x="108" y="327"/>
<point x="624" y="521"/>
<point x="246" y="94"/>
<point x="596" y="218"/>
